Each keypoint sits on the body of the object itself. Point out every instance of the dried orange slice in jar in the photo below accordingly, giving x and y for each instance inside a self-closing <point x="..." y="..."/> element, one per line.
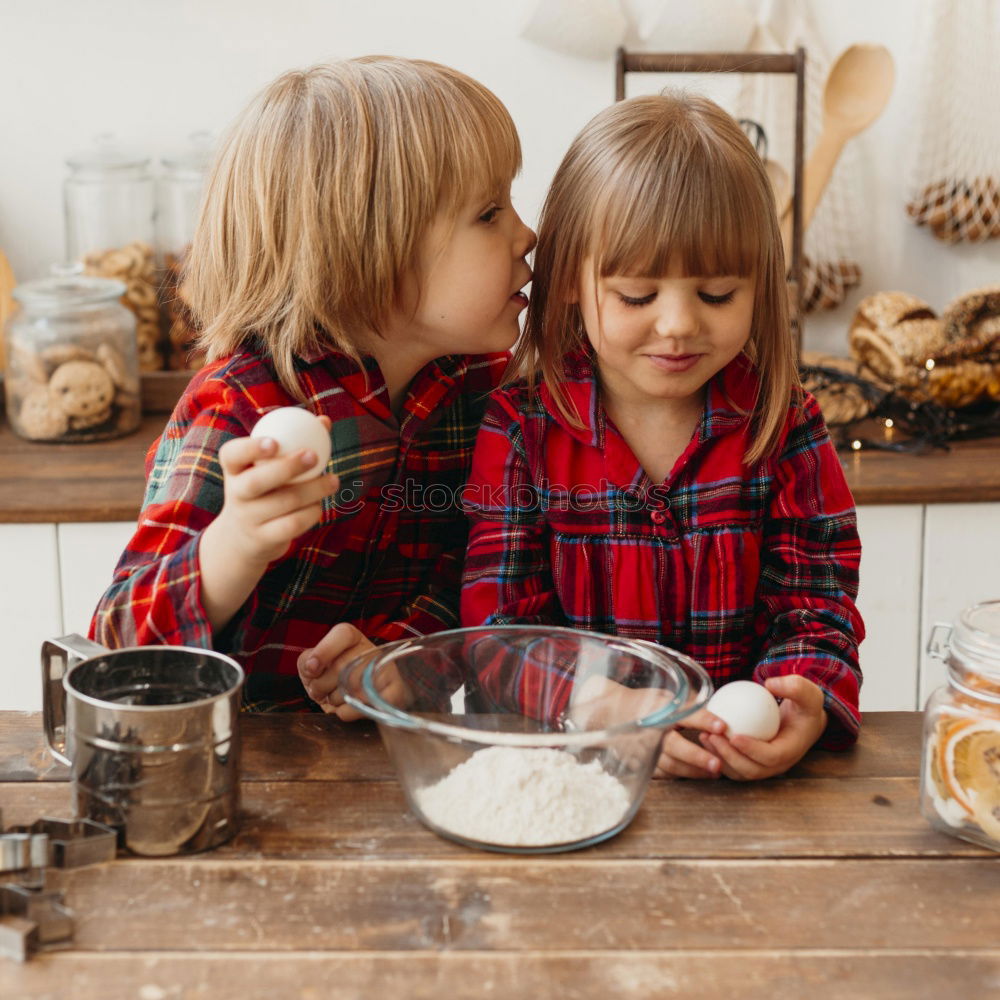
<point x="968" y="767"/>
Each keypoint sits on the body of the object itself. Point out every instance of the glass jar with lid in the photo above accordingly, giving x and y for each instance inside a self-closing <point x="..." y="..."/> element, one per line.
<point x="960" y="773"/>
<point x="72" y="372"/>
<point x="179" y="196"/>
<point x="110" y="208"/>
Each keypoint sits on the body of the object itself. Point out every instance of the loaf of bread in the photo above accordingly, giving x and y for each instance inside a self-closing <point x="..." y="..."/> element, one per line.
<point x="954" y="359"/>
<point x="894" y="333"/>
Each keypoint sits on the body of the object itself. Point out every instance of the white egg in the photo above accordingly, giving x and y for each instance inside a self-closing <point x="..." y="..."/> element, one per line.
<point x="747" y="708"/>
<point x="295" y="429"/>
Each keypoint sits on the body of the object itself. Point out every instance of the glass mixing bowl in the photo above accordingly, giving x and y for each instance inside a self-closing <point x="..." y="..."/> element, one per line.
<point x="524" y="739"/>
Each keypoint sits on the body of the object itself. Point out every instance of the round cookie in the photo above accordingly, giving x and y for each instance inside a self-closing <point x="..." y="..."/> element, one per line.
<point x="84" y="391"/>
<point x="40" y="417"/>
<point x="109" y="356"/>
<point x="140" y="293"/>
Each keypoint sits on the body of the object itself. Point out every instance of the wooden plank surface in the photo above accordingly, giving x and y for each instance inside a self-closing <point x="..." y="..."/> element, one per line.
<point x="305" y="747"/>
<point x="533" y="905"/>
<point x="927" y="974"/>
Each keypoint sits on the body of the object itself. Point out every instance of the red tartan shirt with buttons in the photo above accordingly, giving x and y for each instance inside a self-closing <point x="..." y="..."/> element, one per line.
<point x="386" y="555"/>
<point x="750" y="569"/>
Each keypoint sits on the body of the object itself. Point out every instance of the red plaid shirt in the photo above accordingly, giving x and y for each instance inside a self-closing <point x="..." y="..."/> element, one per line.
<point x="386" y="555"/>
<point x="751" y="570"/>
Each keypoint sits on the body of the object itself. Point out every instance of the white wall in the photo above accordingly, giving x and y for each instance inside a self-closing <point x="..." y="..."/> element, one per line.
<point x="153" y="71"/>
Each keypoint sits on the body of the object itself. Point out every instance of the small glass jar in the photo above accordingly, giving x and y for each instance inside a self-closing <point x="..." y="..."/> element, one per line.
<point x="179" y="199"/>
<point x="960" y="772"/>
<point x="72" y="372"/>
<point x="110" y="230"/>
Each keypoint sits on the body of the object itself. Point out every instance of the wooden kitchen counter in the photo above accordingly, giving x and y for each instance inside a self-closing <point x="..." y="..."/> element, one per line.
<point x="103" y="481"/>
<point x="826" y="882"/>
<point x="98" y="481"/>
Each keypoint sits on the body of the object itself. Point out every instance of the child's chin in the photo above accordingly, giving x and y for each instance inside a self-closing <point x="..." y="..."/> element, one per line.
<point x="502" y="340"/>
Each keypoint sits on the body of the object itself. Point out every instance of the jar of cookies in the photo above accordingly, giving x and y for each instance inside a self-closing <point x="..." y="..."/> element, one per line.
<point x="178" y="201"/>
<point x="110" y="229"/>
<point x="72" y="372"/>
<point x="960" y="774"/>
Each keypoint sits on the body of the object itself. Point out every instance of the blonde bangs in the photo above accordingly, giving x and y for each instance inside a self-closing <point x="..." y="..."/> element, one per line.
<point x="656" y="217"/>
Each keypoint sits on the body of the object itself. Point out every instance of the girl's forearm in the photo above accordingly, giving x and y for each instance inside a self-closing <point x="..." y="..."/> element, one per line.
<point x="228" y="578"/>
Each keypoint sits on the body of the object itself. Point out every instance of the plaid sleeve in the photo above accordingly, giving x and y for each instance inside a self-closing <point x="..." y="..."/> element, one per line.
<point x="809" y="575"/>
<point x="155" y="595"/>
<point x="507" y="578"/>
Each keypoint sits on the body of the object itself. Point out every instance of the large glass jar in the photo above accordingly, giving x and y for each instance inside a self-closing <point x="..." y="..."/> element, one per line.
<point x="179" y="198"/>
<point x="960" y="774"/>
<point x="110" y="230"/>
<point x="72" y="373"/>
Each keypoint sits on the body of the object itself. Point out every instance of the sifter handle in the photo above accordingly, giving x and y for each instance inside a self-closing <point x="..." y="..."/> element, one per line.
<point x="59" y="657"/>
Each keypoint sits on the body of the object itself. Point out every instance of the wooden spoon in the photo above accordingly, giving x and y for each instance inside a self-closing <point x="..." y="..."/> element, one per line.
<point x="856" y="92"/>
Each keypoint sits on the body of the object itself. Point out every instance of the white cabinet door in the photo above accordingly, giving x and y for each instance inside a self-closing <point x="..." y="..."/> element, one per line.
<point x="88" y="554"/>
<point x="961" y="567"/>
<point x="30" y="610"/>
<point x="889" y="602"/>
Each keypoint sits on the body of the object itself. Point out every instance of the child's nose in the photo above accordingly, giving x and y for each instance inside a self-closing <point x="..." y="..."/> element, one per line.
<point x="526" y="238"/>
<point x="675" y="317"/>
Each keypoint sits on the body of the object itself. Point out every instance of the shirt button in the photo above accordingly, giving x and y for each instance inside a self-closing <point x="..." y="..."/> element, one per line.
<point x="657" y="517"/>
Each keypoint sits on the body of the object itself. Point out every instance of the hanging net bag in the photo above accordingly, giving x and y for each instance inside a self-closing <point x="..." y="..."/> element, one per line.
<point x="955" y="182"/>
<point x="829" y="265"/>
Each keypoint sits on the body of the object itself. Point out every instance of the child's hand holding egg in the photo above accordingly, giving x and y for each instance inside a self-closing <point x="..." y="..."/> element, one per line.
<point x="747" y="709"/>
<point x="294" y="429"/>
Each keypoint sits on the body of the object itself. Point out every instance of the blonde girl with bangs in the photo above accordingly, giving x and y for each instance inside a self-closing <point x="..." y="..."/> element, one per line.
<point x="657" y="471"/>
<point x="357" y="254"/>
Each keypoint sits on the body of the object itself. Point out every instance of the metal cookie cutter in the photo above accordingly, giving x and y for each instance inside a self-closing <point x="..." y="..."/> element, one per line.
<point x="71" y="843"/>
<point x="31" y="918"/>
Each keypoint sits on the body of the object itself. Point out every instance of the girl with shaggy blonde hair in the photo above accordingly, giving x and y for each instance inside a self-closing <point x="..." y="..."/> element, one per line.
<point x="357" y="254"/>
<point x="658" y="472"/>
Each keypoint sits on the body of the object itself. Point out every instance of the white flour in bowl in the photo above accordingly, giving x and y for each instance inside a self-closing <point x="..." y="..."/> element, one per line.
<point x="525" y="797"/>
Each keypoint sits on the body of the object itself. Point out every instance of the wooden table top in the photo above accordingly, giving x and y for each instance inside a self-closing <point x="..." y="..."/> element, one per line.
<point x="826" y="882"/>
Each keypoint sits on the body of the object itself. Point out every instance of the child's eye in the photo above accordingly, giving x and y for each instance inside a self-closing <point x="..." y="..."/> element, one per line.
<point x="716" y="300"/>
<point x="490" y="214"/>
<point x="630" y="300"/>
